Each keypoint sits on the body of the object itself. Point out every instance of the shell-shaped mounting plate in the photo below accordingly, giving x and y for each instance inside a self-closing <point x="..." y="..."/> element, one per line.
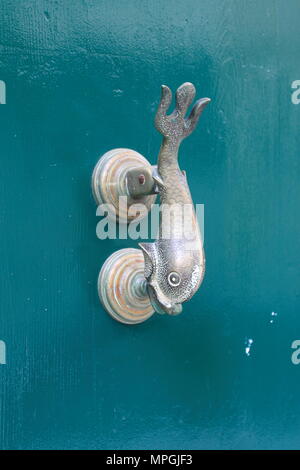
<point x="109" y="182"/>
<point x="122" y="287"/>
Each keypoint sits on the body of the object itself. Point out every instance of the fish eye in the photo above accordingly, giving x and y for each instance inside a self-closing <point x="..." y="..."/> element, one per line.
<point x="174" y="279"/>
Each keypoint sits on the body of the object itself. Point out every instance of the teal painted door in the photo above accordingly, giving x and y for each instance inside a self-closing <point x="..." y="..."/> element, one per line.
<point x="81" y="78"/>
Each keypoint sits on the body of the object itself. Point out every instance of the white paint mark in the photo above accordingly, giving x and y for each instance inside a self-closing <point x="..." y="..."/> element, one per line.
<point x="273" y="315"/>
<point x="2" y="352"/>
<point x="248" y="343"/>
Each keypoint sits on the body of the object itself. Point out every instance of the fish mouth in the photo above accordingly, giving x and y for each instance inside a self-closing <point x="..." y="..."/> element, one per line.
<point x="162" y="305"/>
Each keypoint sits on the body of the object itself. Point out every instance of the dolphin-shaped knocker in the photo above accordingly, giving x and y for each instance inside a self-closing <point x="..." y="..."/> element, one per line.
<point x="175" y="262"/>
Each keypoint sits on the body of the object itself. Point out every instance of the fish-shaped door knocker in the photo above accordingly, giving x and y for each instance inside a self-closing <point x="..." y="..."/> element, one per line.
<point x="135" y="283"/>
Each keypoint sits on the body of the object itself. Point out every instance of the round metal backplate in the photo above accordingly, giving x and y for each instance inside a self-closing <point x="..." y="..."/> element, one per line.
<point x="109" y="183"/>
<point x="119" y="287"/>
